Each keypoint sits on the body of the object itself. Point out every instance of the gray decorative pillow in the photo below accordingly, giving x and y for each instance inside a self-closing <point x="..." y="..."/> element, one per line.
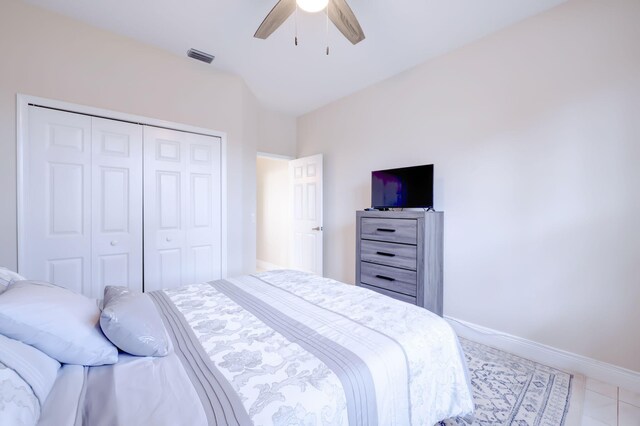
<point x="132" y="323"/>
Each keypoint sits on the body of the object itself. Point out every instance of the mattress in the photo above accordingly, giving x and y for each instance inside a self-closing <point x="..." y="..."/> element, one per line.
<point x="281" y="347"/>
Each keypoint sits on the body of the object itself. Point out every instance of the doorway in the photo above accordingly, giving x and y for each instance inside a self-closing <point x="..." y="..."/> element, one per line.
<point x="273" y="212"/>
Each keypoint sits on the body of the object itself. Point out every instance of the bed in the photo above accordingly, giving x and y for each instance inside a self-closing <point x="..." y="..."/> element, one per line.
<point x="280" y="347"/>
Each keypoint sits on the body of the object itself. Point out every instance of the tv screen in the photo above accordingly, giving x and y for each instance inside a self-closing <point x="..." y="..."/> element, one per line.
<point x="405" y="187"/>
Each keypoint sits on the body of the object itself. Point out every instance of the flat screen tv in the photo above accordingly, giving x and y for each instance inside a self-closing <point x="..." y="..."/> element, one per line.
<point x="405" y="187"/>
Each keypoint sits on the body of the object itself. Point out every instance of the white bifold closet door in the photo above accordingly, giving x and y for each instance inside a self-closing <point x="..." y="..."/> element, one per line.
<point x="116" y="209"/>
<point x="88" y="184"/>
<point x="182" y="208"/>
<point x="82" y="202"/>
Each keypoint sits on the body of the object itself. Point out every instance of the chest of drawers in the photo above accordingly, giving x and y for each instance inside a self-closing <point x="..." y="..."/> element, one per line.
<point x="399" y="254"/>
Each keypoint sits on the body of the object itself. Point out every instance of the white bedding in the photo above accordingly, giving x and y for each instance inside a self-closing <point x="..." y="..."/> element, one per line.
<point x="26" y="378"/>
<point x="19" y="405"/>
<point x="281" y="347"/>
<point x="135" y="391"/>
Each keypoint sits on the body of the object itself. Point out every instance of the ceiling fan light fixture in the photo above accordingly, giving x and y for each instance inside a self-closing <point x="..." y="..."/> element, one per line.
<point x="312" y="6"/>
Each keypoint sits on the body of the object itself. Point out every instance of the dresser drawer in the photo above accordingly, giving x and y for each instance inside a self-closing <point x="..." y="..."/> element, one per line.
<point x="392" y="230"/>
<point x="389" y="278"/>
<point x="397" y="296"/>
<point x="391" y="254"/>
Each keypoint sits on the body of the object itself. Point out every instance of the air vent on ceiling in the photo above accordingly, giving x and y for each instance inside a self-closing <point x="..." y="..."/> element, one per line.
<point x="201" y="56"/>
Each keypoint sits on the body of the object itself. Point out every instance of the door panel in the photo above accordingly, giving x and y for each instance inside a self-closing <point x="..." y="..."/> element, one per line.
<point x="201" y="200"/>
<point x="163" y="205"/>
<point x="64" y="132"/>
<point x="202" y="265"/>
<point x="297" y="201"/>
<point x="182" y="239"/>
<point x="116" y="145"/>
<point x="310" y="242"/>
<point x="305" y="177"/>
<point x="116" y="205"/>
<point x="203" y="223"/>
<point x="68" y="273"/>
<point x="66" y="199"/>
<point x="169" y="205"/>
<point x="170" y="268"/>
<point x="312" y="197"/>
<point x="57" y="199"/>
<point x="114" y="190"/>
<point x="168" y="150"/>
<point x="114" y="268"/>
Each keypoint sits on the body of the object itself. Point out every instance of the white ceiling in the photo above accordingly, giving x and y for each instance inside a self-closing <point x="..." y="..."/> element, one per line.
<point x="400" y="34"/>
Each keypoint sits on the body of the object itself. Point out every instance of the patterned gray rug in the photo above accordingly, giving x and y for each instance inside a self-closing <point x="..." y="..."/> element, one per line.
<point x="509" y="390"/>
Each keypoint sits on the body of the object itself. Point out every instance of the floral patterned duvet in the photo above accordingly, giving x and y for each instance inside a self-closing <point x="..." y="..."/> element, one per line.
<point x="300" y="349"/>
<point x="278" y="348"/>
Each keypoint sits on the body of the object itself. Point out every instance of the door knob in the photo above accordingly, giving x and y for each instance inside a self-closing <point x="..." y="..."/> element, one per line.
<point x="168" y="239"/>
<point x="114" y="242"/>
<point x="317" y="228"/>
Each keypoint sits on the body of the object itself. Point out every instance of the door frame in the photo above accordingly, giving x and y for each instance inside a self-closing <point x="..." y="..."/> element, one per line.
<point x="284" y="158"/>
<point x="22" y="132"/>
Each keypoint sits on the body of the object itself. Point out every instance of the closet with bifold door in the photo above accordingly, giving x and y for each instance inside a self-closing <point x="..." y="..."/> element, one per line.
<point x="109" y="202"/>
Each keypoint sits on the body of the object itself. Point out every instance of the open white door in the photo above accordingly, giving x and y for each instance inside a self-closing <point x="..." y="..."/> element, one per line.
<point x="305" y="180"/>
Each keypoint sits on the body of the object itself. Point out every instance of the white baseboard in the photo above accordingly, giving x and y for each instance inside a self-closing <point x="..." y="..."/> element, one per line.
<point x="267" y="266"/>
<point x="548" y="355"/>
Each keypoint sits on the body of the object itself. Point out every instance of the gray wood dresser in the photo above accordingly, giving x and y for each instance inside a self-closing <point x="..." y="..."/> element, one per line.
<point x="399" y="254"/>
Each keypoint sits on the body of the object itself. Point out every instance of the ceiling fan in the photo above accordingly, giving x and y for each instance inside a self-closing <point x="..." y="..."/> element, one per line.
<point x="338" y="12"/>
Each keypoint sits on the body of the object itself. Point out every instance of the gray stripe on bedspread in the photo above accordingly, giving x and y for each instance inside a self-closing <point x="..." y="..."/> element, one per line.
<point x="352" y="371"/>
<point x="98" y="398"/>
<point x="362" y="324"/>
<point x="220" y="401"/>
<point x="83" y="394"/>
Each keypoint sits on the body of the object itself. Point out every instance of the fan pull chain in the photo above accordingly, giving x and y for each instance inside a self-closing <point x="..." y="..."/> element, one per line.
<point x="296" y="19"/>
<point x="327" y="27"/>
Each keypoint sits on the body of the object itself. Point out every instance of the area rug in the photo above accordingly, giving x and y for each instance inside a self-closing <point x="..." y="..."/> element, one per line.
<point x="509" y="390"/>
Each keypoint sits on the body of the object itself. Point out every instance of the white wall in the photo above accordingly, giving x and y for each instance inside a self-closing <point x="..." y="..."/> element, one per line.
<point x="278" y="133"/>
<point x="273" y="204"/>
<point x="48" y="55"/>
<point x="535" y="136"/>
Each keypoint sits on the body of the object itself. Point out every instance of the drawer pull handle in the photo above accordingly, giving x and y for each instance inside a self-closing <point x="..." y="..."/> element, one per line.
<point x="382" y="277"/>
<point x="381" y="253"/>
<point x="386" y="230"/>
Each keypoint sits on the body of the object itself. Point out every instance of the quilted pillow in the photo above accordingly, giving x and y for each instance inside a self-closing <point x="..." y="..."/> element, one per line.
<point x="132" y="323"/>
<point x="60" y="323"/>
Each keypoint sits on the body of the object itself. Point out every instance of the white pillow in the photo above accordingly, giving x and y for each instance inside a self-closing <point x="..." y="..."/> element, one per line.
<point x="7" y="278"/>
<point x="131" y="321"/>
<point x="35" y="367"/>
<point x="60" y="323"/>
<point x="18" y="403"/>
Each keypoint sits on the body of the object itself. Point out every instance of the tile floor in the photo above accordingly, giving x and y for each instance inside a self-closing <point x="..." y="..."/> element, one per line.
<point x="609" y="405"/>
